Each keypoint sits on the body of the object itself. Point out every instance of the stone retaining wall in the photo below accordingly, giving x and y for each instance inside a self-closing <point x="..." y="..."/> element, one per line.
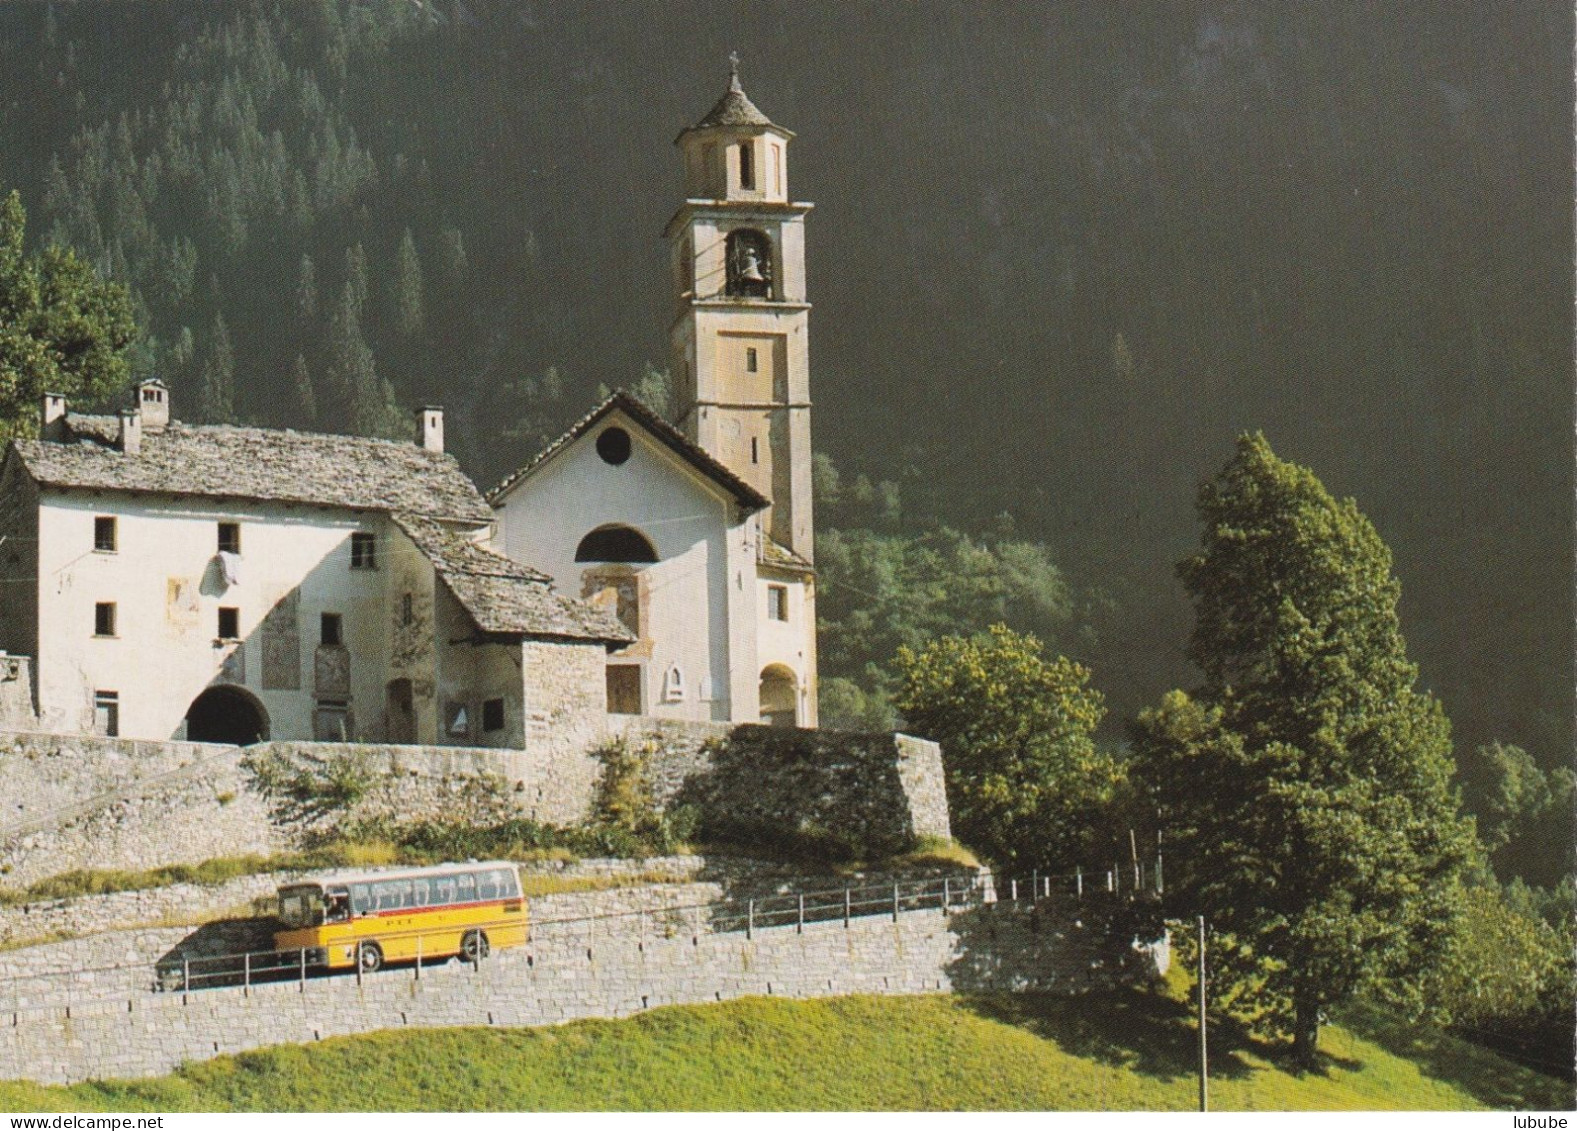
<point x="604" y="968"/>
<point x="867" y="794"/>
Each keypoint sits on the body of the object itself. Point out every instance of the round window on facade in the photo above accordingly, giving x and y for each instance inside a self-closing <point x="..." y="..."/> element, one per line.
<point x="613" y="445"/>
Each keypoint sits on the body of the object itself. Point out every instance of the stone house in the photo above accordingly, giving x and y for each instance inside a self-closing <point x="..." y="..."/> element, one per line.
<point x="213" y="583"/>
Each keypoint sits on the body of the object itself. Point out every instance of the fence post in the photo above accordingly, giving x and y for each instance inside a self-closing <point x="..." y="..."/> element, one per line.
<point x="246" y="972"/>
<point x="418" y="958"/>
<point x="186" y="973"/>
<point x="303" y="969"/>
<point x="947" y="894"/>
<point x="846" y="902"/>
<point x="750" y="918"/>
<point x="800" y="926"/>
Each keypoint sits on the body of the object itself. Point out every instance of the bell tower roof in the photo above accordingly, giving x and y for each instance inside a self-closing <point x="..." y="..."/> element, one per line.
<point x="735" y="109"/>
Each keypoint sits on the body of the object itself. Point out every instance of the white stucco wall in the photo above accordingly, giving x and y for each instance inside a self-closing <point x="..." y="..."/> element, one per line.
<point x="700" y="609"/>
<point x="164" y="580"/>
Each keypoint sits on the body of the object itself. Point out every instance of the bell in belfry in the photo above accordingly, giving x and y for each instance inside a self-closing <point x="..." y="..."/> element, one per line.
<point x="750" y="266"/>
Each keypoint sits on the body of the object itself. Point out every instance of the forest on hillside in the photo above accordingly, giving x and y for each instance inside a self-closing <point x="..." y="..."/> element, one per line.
<point x="1062" y="255"/>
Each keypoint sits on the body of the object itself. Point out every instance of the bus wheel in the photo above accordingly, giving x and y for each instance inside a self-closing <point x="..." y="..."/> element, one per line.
<point x="473" y="947"/>
<point x="369" y="956"/>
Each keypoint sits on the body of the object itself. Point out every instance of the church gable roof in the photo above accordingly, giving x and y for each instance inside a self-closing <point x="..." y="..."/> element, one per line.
<point x="502" y="596"/>
<point x="264" y="464"/>
<point x="659" y="430"/>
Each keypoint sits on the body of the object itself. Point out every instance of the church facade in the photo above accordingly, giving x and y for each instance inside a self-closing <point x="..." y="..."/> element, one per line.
<point x="699" y="534"/>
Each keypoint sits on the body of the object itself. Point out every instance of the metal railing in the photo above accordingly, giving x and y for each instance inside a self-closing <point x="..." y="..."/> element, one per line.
<point x="83" y="986"/>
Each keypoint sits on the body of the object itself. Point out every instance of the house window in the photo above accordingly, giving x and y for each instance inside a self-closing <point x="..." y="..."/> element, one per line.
<point x="407" y="610"/>
<point x="229" y="624"/>
<point x="752" y="360"/>
<point x="104" y="618"/>
<point x="624" y="689"/>
<point x="493" y="714"/>
<point x="755" y="450"/>
<point x="777" y="602"/>
<point x="331" y="630"/>
<point x="104" y="534"/>
<point x="362" y="551"/>
<point x="747" y="165"/>
<point x="229" y="537"/>
<point x="331" y="721"/>
<point x="106" y="713"/>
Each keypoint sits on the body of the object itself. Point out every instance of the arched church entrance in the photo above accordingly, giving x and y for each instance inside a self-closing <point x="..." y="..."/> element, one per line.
<point x="226" y="714"/>
<point x="779" y="696"/>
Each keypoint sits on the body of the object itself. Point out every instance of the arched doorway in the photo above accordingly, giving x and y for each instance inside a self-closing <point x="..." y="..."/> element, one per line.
<point x="779" y="696"/>
<point x="226" y="714"/>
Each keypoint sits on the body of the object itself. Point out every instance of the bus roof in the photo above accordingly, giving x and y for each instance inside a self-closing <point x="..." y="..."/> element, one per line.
<point x="338" y="879"/>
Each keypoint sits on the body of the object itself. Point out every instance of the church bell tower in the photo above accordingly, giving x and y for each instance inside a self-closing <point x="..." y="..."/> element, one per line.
<point x="740" y="339"/>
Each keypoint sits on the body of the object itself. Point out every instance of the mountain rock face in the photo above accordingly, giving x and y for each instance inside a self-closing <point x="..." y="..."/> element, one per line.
<point x="1060" y="258"/>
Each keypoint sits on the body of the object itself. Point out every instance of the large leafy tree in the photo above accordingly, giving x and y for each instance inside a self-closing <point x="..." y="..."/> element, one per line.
<point x="62" y="328"/>
<point x="1025" y="780"/>
<point x="1305" y="786"/>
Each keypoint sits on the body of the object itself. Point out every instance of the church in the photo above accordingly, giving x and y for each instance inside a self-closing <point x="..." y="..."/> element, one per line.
<point x="161" y="580"/>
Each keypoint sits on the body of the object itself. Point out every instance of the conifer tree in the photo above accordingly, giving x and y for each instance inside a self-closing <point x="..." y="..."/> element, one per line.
<point x="1305" y="786"/>
<point x="216" y="391"/>
<point x="408" y="287"/>
<point x="306" y="290"/>
<point x="306" y="400"/>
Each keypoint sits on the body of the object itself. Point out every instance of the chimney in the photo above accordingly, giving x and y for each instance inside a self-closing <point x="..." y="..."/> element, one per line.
<point x="130" y="431"/>
<point x="52" y="417"/>
<point x="153" y="404"/>
<point x="430" y="428"/>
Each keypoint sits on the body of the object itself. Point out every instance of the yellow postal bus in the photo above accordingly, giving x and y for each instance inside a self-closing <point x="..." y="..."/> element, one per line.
<point x="369" y="918"/>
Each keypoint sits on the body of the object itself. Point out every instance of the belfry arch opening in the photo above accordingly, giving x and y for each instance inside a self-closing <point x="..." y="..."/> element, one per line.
<point x="779" y="696"/>
<point x="749" y="255"/>
<point x="226" y="714"/>
<point x="616" y="543"/>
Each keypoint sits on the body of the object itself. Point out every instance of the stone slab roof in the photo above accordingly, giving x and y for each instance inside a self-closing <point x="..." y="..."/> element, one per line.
<point x="660" y="430"/>
<point x="734" y="109"/>
<point x="265" y="464"/>
<point x="776" y="554"/>
<point x="502" y="596"/>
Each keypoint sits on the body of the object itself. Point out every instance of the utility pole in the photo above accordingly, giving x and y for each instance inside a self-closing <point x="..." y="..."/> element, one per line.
<point x="1204" y="1065"/>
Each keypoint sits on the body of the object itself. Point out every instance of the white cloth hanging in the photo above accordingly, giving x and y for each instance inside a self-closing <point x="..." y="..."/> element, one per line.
<point x="230" y="567"/>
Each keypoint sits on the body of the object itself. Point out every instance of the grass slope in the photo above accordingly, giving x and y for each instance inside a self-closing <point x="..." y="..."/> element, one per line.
<point x="1120" y="1051"/>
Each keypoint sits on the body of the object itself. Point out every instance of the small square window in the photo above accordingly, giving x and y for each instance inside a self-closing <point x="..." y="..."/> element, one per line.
<point x="229" y="537"/>
<point x="104" y="534"/>
<point x="777" y="602"/>
<point x="106" y="713"/>
<point x="493" y="714"/>
<point x="331" y="630"/>
<point x="229" y="624"/>
<point x="755" y="450"/>
<point x="104" y="618"/>
<point x="362" y="551"/>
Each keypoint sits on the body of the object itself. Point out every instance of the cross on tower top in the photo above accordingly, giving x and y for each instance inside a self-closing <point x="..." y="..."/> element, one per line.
<point x="733" y="70"/>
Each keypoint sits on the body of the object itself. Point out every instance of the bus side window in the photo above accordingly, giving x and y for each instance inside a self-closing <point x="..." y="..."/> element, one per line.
<point x="445" y="889"/>
<point x="511" y="884"/>
<point x="420" y="893"/>
<point x="338" y="907"/>
<point x="360" y="899"/>
<point x="466" y="882"/>
<point x="488" y="888"/>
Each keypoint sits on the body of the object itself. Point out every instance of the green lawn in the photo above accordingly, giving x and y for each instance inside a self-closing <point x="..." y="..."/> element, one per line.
<point x="1125" y="1050"/>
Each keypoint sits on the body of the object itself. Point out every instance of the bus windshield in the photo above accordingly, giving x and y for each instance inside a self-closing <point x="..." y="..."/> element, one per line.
<point x="301" y="906"/>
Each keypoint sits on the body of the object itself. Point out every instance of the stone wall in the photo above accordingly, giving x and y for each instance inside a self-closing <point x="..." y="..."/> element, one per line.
<point x="858" y="794"/>
<point x="607" y="967"/>
<point x="16" y="693"/>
